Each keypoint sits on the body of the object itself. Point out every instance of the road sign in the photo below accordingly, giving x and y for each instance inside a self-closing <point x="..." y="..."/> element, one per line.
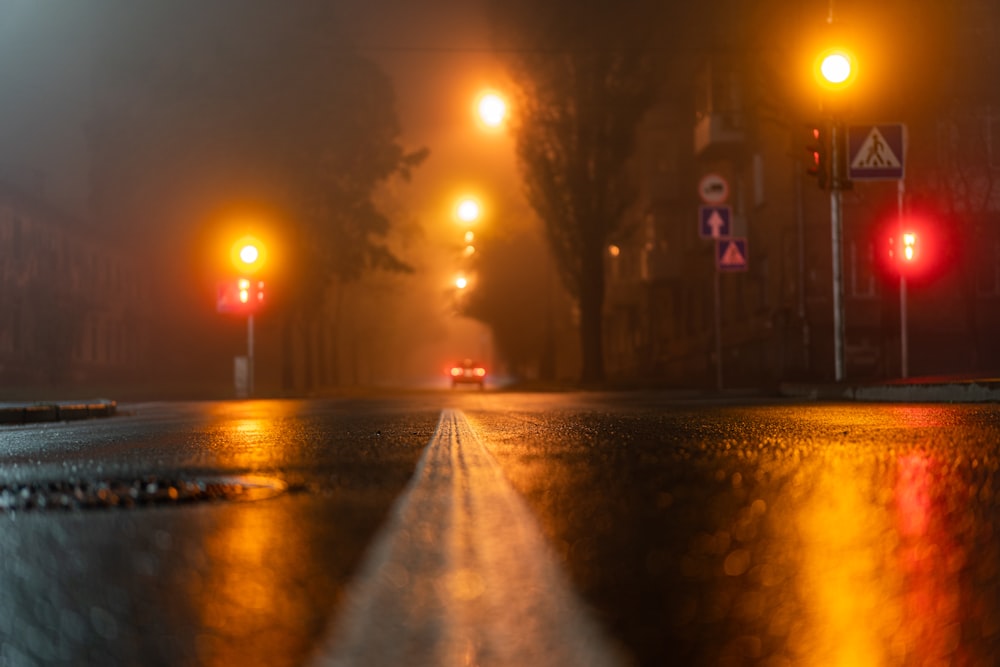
<point x="713" y="189"/>
<point x="731" y="254"/>
<point x="714" y="221"/>
<point x="876" y="152"/>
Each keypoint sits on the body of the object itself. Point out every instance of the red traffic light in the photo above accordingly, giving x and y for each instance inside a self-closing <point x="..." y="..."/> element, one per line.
<point x="816" y="156"/>
<point x="242" y="296"/>
<point x="903" y="249"/>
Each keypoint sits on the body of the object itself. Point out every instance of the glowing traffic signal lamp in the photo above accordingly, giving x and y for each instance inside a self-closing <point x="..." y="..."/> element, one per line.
<point x="241" y="296"/>
<point x="909" y="246"/>
<point x="817" y="157"/>
<point x="906" y="254"/>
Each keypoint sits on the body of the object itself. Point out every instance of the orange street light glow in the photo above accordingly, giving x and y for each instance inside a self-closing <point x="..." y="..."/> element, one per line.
<point x="468" y="210"/>
<point x="461" y="282"/>
<point x="248" y="254"/>
<point x="492" y="109"/>
<point x="835" y="69"/>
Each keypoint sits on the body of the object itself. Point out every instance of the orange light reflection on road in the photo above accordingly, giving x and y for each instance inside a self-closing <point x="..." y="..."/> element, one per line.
<point x="253" y="551"/>
<point x="850" y="602"/>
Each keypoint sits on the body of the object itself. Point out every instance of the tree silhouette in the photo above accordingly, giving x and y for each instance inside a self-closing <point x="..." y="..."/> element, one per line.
<point x="586" y="74"/>
<point x="207" y="107"/>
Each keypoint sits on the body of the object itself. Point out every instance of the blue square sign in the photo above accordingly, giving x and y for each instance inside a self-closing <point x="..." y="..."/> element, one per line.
<point x="714" y="221"/>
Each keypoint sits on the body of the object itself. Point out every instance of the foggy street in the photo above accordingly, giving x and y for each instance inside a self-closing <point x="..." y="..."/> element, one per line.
<point x="487" y="528"/>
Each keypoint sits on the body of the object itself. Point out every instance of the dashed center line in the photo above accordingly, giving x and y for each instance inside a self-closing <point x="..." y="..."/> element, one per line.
<point x="461" y="575"/>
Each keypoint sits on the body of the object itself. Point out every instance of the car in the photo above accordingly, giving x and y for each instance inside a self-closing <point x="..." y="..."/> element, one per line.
<point x="467" y="372"/>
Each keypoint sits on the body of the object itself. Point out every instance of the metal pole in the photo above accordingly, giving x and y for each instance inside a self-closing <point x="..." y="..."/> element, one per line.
<point x="903" y="342"/>
<point x="835" y="234"/>
<point x="718" y="328"/>
<point x="800" y="225"/>
<point x="250" y="355"/>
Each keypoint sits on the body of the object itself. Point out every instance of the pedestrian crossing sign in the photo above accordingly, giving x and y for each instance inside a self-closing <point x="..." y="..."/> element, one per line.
<point x="876" y="152"/>
<point x="731" y="254"/>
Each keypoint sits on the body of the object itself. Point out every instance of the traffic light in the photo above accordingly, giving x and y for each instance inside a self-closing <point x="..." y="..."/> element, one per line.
<point x="817" y="156"/>
<point x="241" y="296"/>
<point x="909" y="246"/>
<point x="903" y="250"/>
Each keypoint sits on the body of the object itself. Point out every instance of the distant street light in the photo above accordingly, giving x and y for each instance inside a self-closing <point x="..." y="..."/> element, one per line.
<point x="492" y="110"/>
<point x="467" y="210"/>
<point x="461" y="282"/>
<point x="248" y="255"/>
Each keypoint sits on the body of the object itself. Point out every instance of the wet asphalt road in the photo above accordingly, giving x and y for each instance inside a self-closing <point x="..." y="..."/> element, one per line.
<point x="693" y="533"/>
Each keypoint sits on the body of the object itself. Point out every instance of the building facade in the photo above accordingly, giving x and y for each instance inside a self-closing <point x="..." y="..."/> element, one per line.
<point x="75" y="308"/>
<point x="673" y="317"/>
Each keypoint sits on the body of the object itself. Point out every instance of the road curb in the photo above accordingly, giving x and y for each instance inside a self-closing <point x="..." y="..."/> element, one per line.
<point x="983" y="391"/>
<point x="35" y="413"/>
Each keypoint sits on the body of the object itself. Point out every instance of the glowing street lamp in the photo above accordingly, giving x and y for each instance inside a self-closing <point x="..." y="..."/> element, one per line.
<point x="835" y="69"/>
<point x="461" y="282"/>
<point x="492" y="110"/>
<point x="248" y="255"/>
<point x="467" y="210"/>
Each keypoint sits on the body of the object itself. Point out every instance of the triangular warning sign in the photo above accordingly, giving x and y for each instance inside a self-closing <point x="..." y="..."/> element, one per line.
<point x="875" y="153"/>
<point x="732" y="256"/>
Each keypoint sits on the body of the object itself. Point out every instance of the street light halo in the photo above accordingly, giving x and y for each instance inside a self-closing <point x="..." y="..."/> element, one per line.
<point x="467" y="210"/>
<point x="836" y="68"/>
<point x="248" y="254"/>
<point x="492" y="109"/>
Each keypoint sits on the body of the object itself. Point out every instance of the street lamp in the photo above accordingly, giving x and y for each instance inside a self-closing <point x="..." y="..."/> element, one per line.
<point x="248" y="255"/>
<point x="467" y="210"/>
<point x="835" y="70"/>
<point x="491" y="109"/>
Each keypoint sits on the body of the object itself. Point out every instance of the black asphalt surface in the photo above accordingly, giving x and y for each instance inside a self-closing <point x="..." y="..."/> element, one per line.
<point x="698" y="532"/>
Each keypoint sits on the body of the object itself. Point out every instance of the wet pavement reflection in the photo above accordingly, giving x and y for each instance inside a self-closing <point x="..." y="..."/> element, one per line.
<point x="814" y="535"/>
<point x="771" y="535"/>
<point x="209" y="583"/>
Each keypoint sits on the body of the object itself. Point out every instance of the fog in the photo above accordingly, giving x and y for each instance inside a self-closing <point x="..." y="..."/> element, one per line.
<point x="61" y="67"/>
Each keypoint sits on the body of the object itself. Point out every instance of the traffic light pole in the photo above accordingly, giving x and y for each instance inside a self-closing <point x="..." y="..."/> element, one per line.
<point x="250" y="355"/>
<point x="835" y="237"/>
<point x="903" y="342"/>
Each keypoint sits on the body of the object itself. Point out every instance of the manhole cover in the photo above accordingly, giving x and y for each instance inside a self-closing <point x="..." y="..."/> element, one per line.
<point x="144" y="491"/>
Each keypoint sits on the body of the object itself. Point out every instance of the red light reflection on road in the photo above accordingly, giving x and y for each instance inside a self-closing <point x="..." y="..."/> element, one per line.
<point x="928" y="561"/>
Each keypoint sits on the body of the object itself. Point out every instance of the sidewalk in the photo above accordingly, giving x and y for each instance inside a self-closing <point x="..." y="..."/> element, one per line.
<point x="55" y="411"/>
<point x="916" y="390"/>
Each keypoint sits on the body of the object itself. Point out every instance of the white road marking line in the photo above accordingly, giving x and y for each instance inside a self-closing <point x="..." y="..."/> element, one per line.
<point x="461" y="575"/>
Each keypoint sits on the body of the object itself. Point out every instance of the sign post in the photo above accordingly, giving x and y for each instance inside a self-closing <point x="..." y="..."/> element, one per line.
<point x="715" y="222"/>
<point x="878" y="152"/>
